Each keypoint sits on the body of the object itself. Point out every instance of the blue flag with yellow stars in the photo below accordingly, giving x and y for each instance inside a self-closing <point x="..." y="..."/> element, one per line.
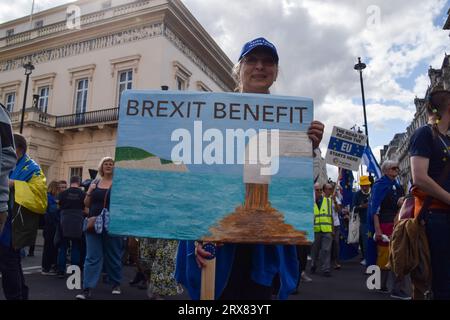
<point x="30" y="187"/>
<point x="347" y="147"/>
<point x="346" y="251"/>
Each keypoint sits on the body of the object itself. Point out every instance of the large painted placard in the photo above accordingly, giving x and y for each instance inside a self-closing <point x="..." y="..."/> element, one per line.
<point x="220" y="167"/>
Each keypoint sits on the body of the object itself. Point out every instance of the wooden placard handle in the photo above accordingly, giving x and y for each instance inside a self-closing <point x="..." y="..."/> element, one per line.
<point x="209" y="274"/>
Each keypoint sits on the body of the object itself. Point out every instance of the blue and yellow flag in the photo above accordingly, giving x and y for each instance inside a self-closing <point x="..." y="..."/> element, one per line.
<point x="30" y="188"/>
<point x="346" y="251"/>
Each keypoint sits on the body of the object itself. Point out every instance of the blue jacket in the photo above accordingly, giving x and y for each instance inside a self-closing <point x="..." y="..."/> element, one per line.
<point x="52" y="214"/>
<point x="379" y="190"/>
<point x="268" y="260"/>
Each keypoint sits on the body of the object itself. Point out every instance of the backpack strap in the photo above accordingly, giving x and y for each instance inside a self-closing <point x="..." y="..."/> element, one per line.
<point x="106" y="197"/>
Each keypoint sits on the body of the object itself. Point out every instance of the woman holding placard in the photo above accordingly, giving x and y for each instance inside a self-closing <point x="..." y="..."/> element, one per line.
<point x="246" y="271"/>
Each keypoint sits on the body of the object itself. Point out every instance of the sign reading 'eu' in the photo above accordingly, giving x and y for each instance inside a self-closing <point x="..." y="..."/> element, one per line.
<point x="346" y="148"/>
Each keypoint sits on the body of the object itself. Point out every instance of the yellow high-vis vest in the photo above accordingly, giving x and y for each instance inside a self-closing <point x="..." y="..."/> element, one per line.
<point x="323" y="219"/>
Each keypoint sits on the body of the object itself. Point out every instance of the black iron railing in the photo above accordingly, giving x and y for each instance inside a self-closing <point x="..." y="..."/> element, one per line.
<point x="93" y="117"/>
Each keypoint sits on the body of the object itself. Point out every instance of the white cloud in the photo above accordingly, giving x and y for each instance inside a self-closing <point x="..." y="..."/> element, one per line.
<point x="376" y="152"/>
<point x="319" y="42"/>
<point x="405" y="37"/>
<point x="333" y="172"/>
<point x="321" y="11"/>
<point x="421" y="84"/>
<point x="10" y="10"/>
<point x="343" y="113"/>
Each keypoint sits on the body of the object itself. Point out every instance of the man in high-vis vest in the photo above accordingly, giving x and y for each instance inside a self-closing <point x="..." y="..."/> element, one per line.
<point x="323" y="229"/>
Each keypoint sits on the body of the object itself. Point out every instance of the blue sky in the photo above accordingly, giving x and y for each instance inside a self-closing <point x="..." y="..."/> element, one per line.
<point x="318" y="42"/>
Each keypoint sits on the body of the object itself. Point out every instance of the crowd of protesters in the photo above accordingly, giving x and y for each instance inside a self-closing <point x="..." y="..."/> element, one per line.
<point x="71" y="218"/>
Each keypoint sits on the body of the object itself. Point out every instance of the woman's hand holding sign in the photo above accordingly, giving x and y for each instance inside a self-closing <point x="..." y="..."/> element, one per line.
<point x="315" y="133"/>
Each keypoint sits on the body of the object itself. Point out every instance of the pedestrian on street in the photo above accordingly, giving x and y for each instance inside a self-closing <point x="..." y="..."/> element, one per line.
<point x="336" y="211"/>
<point x="360" y="205"/>
<point x="51" y="217"/>
<point x="251" y="268"/>
<point x="430" y="157"/>
<point x="71" y="205"/>
<point x="102" y="249"/>
<point x="387" y="198"/>
<point x="7" y="162"/>
<point x="29" y="187"/>
<point x="323" y="230"/>
<point x="13" y="282"/>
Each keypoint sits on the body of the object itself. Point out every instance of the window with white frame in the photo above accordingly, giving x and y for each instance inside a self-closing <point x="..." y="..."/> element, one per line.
<point x="123" y="71"/>
<point x="9" y="32"/>
<point x="124" y="82"/>
<point x="81" y="79"/>
<point x="81" y="95"/>
<point x="10" y="101"/>
<point x="42" y="85"/>
<point x="76" y="171"/>
<point x="43" y="98"/>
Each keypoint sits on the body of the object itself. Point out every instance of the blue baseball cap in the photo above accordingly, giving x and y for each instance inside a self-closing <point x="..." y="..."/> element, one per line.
<point x="256" y="43"/>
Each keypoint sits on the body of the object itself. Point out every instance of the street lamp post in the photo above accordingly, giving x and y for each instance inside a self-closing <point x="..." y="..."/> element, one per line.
<point x="28" y="70"/>
<point x="360" y="67"/>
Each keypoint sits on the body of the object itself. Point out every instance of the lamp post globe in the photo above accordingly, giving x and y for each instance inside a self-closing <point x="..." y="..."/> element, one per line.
<point x="28" y="70"/>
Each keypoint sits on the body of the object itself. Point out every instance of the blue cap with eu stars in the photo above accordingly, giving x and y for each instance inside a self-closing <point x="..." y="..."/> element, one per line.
<point x="258" y="42"/>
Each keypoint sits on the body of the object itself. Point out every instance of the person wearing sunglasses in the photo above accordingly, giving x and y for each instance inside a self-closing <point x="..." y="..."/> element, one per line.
<point x="387" y="198"/>
<point x="247" y="271"/>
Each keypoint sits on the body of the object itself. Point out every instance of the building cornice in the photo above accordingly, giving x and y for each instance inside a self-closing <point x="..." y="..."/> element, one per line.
<point x="41" y="14"/>
<point x="185" y="26"/>
<point x="92" y="25"/>
<point x="170" y="20"/>
<point x="14" y="83"/>
<point x="44" y="76"/>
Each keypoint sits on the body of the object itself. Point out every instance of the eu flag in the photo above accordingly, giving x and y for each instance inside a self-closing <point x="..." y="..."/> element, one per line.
<point x="346" y="183"/>
<point x="346" y="251"/>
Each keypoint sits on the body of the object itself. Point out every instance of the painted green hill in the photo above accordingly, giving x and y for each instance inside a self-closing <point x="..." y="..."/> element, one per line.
<point x="131" y="153"/>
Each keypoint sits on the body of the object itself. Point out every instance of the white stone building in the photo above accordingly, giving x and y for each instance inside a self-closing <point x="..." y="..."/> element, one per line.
<point x="81" y="71"/>
<point x="398" y="147"/>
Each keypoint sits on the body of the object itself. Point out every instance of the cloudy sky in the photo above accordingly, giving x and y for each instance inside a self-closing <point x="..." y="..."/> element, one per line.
<point x="318" y="43"/>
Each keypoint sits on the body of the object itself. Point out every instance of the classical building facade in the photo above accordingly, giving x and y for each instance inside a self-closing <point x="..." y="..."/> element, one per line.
<point x="390" y="151"/>
<point x="398" y="147"/>
<point x="85" y="54"/>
